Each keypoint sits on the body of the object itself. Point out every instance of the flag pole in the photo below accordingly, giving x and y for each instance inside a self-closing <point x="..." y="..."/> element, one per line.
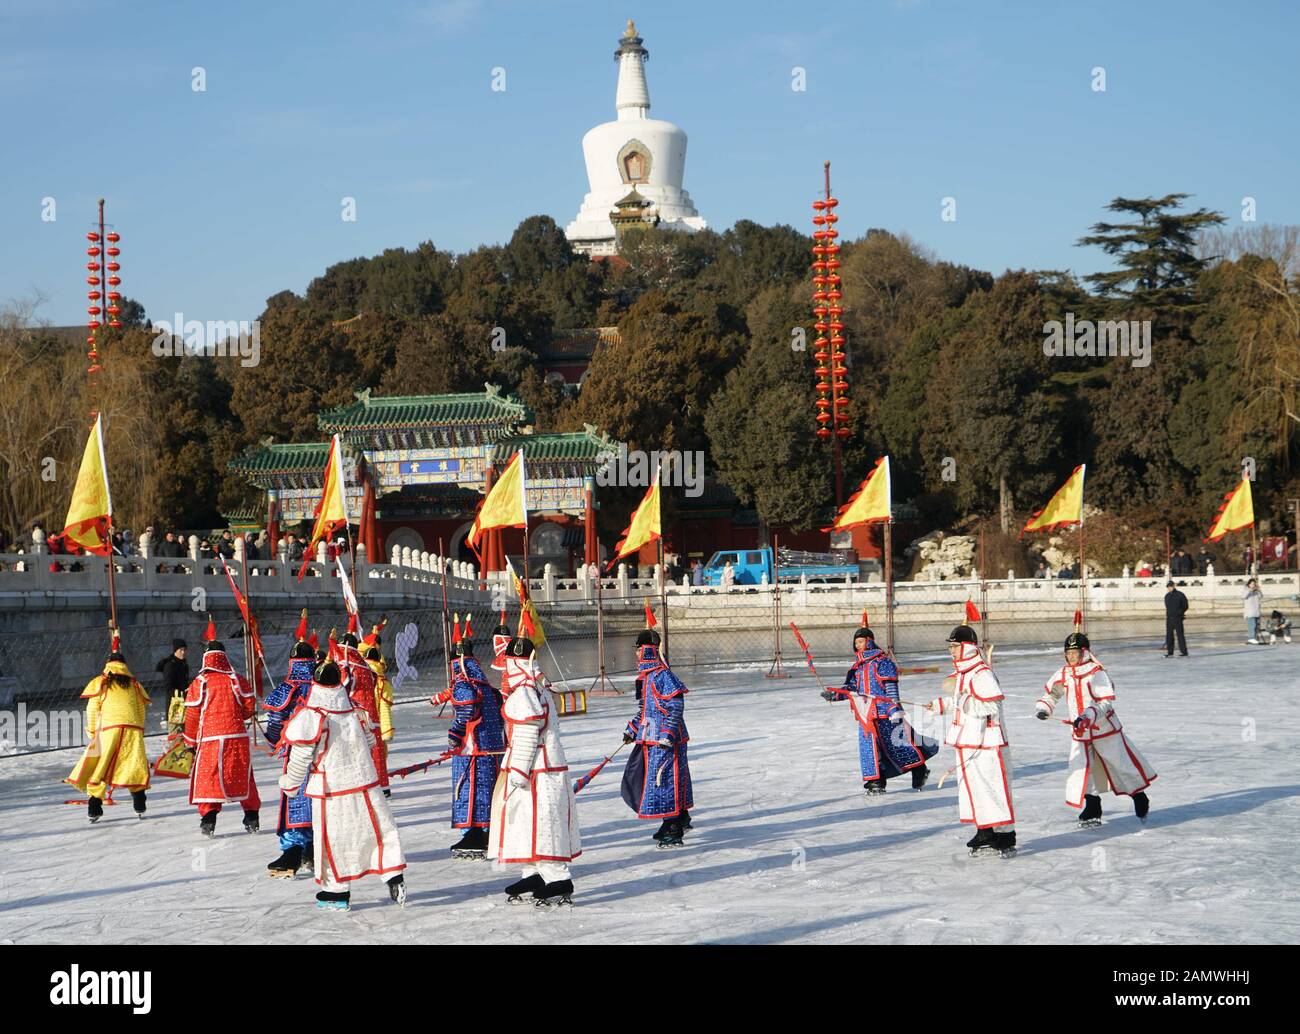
<point x="984" y="591"/>
<point x="98" y="430"/>
<point x="663" y="597"/>
<point x="598" y="684"/>
<point x="1083" y="579"/>
<point x="446" y="639"/>
<point x="776" y="671"/>
<point x="250" y="654"/>
<point x="889" y="584"/>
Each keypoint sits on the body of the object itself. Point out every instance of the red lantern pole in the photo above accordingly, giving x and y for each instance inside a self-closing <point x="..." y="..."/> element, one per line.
<point x="832" y="384"/>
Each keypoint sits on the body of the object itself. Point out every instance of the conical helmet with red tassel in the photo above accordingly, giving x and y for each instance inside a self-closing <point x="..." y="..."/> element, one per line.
<point x="864" y="630"/>
<point x="649" y="637"/>
<point x="963" y="633"/>
<point x="1076" y="640"/>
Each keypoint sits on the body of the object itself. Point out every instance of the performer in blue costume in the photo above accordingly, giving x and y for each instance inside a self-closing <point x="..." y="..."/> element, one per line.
<point x="886" y="744"/>
<point x="294" y="825"/>
<point x="657" y="779"/>
<point x="478" y="735"/>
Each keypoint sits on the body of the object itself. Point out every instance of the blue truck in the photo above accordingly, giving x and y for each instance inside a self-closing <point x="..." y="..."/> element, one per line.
<point x="750" y="566"/>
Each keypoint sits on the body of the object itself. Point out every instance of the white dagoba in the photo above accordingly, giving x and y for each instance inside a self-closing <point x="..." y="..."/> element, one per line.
<point x="634" y="155"/>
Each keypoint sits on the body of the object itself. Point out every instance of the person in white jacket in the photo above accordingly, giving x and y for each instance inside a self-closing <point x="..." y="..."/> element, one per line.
<point x="353" y="832"/>
<point x="1250" y="611"/>
<point x="534" y="821"/>
<point x="974" y="700"/>
<point x="1101" y="756"/>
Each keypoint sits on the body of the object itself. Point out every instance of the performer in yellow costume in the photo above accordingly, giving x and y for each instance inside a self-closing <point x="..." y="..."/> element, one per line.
<point x="383" y="691"/>
<point x="114" y="754"/>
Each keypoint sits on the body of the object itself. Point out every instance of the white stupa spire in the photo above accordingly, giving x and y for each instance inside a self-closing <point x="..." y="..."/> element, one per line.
<point x="632" y="100"/>
<point x="635" y="164"/>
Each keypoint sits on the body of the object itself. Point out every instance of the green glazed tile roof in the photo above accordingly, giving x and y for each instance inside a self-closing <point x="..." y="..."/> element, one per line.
<point x="573" y="446"/>
<point x="283" y="459"/>
<point x="422" y="410"/>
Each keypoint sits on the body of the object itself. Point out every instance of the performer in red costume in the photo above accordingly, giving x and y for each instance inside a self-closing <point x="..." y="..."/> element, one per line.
<point x="219" y="706"/>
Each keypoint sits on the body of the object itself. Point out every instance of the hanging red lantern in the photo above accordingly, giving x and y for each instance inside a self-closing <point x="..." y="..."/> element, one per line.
<point x="118" y="251"/>
<point x="113" y="281"/>
<point x="113" y="237"/>
<point x="92" y="236"/>
<point x="92" y="252"/>
<point x="93" y="295"/>
<point x="113" y="267"/>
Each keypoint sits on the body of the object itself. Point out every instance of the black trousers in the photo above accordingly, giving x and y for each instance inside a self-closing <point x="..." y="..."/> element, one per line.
<point x="1172" y="627"/>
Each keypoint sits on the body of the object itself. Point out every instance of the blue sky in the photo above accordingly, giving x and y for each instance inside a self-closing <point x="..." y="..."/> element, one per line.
<point x="225" y="197"/>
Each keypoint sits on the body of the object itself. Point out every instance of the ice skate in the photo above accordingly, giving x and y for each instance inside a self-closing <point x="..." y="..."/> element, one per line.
<point x="95" y="809"/>
<point x="208" y="824"/>
<point x="332" y="900"/>
<point x="287" y="865"/>
<point x="251" y="822"/>
<point x="551" y="895"/>
<point x="919" y="776"/>
<point x="874" y="787"/>
<point x="671" y="834"/>
<point x="1004" y="844"/>
<point x="1091" y="814"/>
<point x="397" y="889"/>
<point x="138" y="802"/>
<point x="1141" y="805"/>
<point x="528" y="885"/>
<point x="981" y="842"/>
<point x="472" y="845"/>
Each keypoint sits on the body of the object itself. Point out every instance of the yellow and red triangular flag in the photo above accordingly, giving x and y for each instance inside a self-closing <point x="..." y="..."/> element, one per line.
<point x="1065" y="507"/>
<point x="505" y="505"/>
<point x="332" y="511"/>
<point x="90" y="513"/>
<point x="527" y="611"/>
<point x="871" y="503"/>
<point x="645" y="525"/>
<point x="1236" y="512"/>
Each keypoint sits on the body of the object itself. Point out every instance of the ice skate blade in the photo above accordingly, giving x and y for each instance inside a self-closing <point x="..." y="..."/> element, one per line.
<point x="564" y="899"/>
<point x="333" y="906"/>
<point x="1090" y="823"/>
<point x="982" y="852"/>
<point x="667" y="844"/>
<point x="467" y="853"/>
<point x="1006" y="852"/>
<point x="398" y="894"/>
<point x="282" y="874"/>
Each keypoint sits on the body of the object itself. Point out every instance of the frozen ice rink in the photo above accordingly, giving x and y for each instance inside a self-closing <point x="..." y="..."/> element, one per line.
<point x="785" y="848"/>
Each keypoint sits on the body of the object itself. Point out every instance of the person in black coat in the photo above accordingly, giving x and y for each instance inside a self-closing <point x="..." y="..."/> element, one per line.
<point x="1175" y="609"/>
<point x="175" y="671"/>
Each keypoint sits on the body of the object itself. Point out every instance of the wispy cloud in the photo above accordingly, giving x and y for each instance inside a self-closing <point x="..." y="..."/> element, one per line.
<point x="447" y="14"/>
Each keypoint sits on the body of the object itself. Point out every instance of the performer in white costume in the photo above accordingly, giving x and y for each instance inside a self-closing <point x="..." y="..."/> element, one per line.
<point x="1101" y="756"/>
<point x="978" y="736"/>
<point x="534" y="822"/>
<point x="352" y="825"/>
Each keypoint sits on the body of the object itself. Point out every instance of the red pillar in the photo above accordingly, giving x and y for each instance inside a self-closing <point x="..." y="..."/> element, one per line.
<point x="592" y="550"/>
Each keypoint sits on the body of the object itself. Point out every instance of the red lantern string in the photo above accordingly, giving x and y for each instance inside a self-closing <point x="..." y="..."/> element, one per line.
<point x="103" y="247"/>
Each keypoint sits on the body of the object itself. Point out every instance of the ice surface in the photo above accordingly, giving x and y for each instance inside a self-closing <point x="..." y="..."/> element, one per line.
<point x="785" y="848"/>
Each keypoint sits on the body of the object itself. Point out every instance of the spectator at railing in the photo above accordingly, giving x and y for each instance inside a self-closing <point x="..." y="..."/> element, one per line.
<point x="1143" y="570"/>
<point x="1041" y="571"/>
<point x="1203" y="561"/>
<point x="226" y="545"/>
